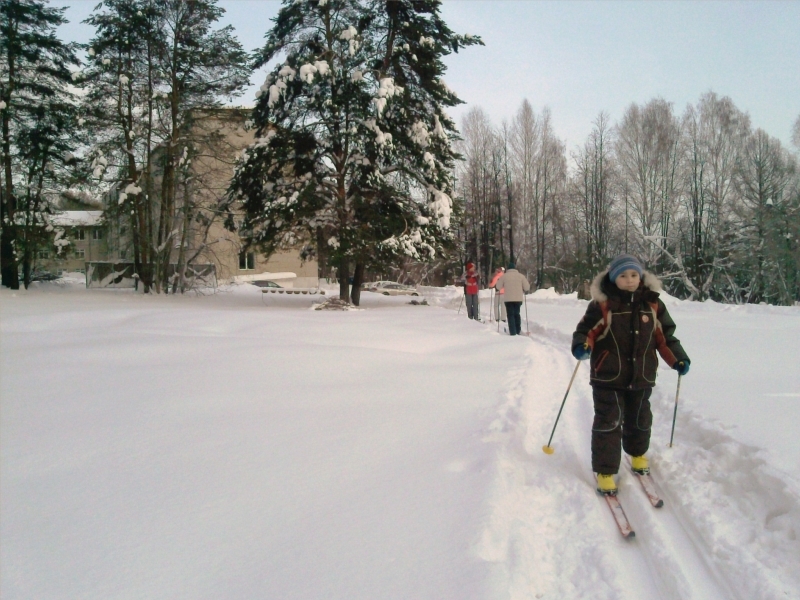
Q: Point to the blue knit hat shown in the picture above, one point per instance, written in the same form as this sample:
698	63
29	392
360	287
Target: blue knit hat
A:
622	263
512	265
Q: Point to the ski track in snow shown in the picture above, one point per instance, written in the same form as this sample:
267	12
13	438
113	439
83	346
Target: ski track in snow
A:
726	517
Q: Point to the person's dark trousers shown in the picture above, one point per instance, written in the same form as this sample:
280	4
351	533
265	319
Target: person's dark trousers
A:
472	307
619	416
514	320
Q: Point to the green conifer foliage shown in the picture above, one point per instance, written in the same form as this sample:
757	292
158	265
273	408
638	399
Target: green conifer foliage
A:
352	158
37	116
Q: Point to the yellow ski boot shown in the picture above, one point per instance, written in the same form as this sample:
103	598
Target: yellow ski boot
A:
606	484
640	465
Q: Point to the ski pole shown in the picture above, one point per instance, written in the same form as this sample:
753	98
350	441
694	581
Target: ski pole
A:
548	449
461	302
527	324
675	412
491	305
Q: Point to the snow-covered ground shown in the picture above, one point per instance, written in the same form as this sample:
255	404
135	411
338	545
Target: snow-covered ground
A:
214	447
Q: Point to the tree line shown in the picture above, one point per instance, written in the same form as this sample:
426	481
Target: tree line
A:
120	123
709	202
357	164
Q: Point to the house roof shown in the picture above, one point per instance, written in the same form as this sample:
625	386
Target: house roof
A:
77	218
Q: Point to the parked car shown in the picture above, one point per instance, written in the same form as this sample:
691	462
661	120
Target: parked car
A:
392	288
370	285
266	284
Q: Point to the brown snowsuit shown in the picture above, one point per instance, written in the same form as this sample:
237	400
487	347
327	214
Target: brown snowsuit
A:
625	330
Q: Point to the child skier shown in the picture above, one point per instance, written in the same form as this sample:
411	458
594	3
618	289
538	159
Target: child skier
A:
624	325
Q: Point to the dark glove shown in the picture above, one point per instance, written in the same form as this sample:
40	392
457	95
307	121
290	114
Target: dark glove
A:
582	352
682	366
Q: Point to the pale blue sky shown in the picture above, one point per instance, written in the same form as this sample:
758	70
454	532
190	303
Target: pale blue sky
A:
582	57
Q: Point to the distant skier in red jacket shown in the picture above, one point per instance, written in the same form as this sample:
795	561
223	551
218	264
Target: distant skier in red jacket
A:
470	279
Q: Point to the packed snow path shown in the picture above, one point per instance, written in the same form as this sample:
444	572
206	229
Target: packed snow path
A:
563	539
729	525
216	448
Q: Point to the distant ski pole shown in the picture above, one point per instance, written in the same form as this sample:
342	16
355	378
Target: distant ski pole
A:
548	449
675	412
461	302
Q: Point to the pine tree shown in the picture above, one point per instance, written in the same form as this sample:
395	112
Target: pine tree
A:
155	63
765	178
202	66
352	158
37	113
121	107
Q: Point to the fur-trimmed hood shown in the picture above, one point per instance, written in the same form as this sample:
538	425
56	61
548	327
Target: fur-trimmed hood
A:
650	281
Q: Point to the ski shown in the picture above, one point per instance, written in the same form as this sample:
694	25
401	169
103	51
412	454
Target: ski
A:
619	516
648	486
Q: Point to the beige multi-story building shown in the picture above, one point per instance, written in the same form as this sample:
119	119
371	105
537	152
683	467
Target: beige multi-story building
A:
228	134
104	236
79	236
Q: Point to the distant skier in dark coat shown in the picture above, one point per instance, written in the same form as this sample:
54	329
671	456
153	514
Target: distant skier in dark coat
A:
624	326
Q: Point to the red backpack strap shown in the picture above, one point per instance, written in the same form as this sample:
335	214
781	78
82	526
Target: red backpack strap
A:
601	328
660	338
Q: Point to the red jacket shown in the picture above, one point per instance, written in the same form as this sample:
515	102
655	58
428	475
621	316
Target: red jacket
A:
471	279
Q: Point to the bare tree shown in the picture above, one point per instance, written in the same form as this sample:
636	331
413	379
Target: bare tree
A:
713	134
524	145
594	187
480	183
648	153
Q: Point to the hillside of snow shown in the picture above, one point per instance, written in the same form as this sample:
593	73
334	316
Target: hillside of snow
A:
231	446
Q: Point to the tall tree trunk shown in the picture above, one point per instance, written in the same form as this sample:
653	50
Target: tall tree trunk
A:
344	279
9	271
181	266
358	279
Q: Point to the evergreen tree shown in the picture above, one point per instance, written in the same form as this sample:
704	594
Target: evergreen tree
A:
155	64
122	104
37	113
768	258
352	157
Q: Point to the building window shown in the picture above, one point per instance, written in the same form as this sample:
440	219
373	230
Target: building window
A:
97	234
247	261
123	254
43	254
80	253
80	234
